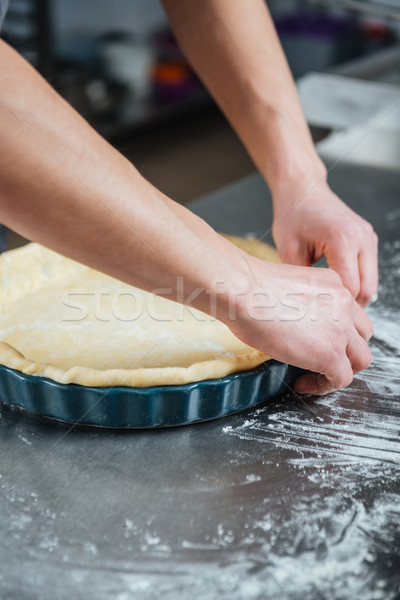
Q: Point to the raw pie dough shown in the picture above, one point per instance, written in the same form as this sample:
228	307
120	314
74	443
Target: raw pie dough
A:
62	320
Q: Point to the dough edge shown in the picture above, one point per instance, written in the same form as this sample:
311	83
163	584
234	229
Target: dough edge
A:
141	377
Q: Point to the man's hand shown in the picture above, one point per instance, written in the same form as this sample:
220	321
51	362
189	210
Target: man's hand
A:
320	224
307	318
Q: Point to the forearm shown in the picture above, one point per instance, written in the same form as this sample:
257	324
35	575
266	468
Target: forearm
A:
235	50
62	185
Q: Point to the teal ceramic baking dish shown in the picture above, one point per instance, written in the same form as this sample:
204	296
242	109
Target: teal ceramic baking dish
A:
161	406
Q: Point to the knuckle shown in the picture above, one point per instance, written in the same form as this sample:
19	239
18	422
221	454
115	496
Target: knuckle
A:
346	379
357	365
339	371
368	229
369	232
345	374
367	358
362	361
343	377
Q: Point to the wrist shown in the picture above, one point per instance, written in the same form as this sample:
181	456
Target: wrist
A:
291	164
299	187
216	290
298	179
246	296
227	297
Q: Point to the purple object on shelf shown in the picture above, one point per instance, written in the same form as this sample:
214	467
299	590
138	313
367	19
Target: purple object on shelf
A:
315	41
167	94
314	25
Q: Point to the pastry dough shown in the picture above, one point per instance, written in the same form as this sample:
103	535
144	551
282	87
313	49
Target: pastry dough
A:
62	320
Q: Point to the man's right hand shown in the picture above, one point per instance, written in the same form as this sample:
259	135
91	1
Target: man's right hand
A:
305	317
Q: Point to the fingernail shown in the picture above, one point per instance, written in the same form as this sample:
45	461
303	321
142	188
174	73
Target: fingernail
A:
373	299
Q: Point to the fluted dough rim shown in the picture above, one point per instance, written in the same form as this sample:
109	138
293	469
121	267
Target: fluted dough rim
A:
140	377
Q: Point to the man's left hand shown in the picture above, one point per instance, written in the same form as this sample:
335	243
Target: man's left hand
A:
321	224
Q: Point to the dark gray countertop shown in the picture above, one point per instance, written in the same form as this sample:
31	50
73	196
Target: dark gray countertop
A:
296	499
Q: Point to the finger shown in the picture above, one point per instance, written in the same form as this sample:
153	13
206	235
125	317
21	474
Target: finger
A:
343	258
358	353
321	384
295	253
368	267
362	322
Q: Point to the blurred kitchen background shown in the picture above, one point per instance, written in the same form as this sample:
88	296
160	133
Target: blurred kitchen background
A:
118	64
